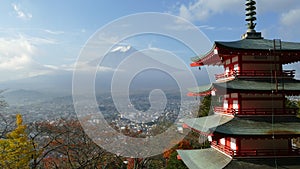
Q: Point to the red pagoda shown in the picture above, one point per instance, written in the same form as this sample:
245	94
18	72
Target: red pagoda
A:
253	122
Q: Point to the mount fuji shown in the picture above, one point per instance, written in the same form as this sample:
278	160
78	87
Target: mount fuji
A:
59	82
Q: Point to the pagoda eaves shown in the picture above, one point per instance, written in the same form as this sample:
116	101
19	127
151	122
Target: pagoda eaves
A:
288	52
267	86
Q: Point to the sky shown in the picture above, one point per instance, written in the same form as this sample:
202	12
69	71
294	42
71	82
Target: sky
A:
41	37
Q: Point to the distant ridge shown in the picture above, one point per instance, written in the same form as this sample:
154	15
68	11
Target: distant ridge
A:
24	97
59	82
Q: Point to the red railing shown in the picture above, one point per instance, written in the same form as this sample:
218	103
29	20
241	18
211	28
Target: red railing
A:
257	111
267	111
226	75
224	111
255	152
227	150
257	73
268	152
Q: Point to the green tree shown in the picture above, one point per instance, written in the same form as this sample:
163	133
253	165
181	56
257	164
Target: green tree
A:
204	107
17	150
298	104
293	104
174	163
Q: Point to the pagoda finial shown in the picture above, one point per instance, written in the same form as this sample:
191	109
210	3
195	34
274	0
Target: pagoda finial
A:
250	15
250	18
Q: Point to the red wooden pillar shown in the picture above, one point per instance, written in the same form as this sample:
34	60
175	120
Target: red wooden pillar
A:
238	146
228	140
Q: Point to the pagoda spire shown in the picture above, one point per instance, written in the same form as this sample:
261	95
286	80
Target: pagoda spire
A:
250	15
250	18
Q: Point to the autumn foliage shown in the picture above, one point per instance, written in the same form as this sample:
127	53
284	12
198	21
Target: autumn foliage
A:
17	150
184	144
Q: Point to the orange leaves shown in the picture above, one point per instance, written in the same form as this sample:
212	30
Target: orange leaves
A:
184	144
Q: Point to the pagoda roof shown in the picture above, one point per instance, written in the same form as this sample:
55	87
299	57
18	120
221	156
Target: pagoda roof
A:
258	44
246	126
204	158
211	158
201	90
207	123
265	163
248	85
261	126
249	46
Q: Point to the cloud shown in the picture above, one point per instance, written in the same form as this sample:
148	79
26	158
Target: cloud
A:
291	17
39	41
15	63
21	14
203	9
54	32
179	25
11	47
284	15
185	12
289	24
91	68
278	6
207	27
17	58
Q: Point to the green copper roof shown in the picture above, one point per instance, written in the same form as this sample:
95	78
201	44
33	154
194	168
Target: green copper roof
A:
204	88
260	85
197	58
261	126
213	159
251	44
251	85
207	123
265	163
204	158
246	126
258	44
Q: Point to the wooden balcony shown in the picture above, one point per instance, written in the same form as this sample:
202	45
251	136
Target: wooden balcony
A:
267	111
257	74
225	149
221	110
256	152
268	153
258	111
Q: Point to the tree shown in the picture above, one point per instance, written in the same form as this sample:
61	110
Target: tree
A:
298	104
17	150
171	155
293	104
204	107
190	141
6	123
174	163
66	145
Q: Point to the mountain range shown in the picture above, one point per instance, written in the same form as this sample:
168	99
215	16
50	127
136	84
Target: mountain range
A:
59	82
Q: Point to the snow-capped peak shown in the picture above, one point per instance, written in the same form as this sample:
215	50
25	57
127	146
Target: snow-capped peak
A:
121	48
